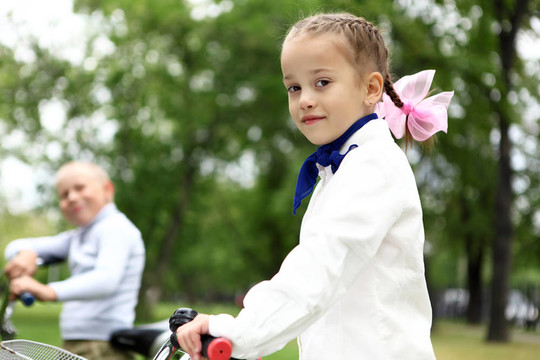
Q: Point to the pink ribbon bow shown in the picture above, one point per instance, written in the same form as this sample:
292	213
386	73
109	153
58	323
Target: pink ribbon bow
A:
426	116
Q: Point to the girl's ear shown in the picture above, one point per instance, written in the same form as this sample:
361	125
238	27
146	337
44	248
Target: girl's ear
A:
374	82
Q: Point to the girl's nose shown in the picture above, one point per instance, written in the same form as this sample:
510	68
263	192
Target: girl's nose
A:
307	101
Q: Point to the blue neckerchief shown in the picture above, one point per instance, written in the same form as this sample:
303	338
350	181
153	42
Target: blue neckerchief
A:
325	155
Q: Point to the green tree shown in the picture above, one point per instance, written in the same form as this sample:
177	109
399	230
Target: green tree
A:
205	158
511	16
193	94
474	165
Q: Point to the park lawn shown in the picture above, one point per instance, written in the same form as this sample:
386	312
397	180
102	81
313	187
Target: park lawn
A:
452	340
456	340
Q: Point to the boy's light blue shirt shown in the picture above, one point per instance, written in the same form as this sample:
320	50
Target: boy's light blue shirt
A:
106	259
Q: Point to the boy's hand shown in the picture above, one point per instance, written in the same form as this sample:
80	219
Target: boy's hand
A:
40	291
189	335
24	263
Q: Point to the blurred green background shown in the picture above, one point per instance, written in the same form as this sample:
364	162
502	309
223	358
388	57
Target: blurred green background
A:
182	103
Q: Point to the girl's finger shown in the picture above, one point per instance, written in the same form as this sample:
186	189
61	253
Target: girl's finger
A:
197	346
188	342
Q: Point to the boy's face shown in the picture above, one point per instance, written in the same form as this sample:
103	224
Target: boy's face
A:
326	93
82	194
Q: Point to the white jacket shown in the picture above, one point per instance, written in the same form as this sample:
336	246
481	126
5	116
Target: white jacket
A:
354	287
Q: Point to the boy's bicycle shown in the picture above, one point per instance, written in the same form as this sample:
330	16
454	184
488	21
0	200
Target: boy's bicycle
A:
146	340
213	349
142	340
12	349
7	330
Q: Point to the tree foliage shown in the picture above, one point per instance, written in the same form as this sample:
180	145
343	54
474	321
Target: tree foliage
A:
182	102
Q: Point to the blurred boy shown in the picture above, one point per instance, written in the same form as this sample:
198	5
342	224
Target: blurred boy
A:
105	254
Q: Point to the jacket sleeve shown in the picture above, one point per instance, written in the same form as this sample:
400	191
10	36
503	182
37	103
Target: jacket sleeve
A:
47	247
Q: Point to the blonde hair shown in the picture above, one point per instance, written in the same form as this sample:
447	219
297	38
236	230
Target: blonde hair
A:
92	170
365	41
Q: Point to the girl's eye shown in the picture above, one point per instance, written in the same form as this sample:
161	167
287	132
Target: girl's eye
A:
292	89
321	83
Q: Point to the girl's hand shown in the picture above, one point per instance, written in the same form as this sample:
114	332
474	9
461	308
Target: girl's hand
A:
24	263
40	291
189	335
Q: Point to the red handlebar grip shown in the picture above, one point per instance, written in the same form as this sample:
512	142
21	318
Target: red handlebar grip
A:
219	349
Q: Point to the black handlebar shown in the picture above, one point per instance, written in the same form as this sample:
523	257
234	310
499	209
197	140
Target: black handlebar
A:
212	348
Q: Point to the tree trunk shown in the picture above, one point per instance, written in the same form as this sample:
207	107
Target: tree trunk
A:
475	260
502	247
152	282
498	330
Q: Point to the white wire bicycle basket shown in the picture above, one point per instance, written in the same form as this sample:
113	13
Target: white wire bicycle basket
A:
32	350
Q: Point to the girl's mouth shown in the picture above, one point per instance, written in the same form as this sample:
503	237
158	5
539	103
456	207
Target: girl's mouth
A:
311	119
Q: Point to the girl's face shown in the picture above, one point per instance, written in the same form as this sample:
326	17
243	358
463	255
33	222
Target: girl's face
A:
326	93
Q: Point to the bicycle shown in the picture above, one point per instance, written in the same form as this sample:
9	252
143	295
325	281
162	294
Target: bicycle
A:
130	339
213	349
144	340
7	330
134	339
13	349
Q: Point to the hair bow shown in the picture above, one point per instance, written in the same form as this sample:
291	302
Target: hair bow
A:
426	116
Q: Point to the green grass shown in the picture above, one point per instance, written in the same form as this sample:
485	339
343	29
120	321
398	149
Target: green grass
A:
451	340
456	340
38	322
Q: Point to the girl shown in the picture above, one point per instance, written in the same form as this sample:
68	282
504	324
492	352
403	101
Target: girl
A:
354	287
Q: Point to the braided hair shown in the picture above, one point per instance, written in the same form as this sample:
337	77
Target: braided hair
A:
366	46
